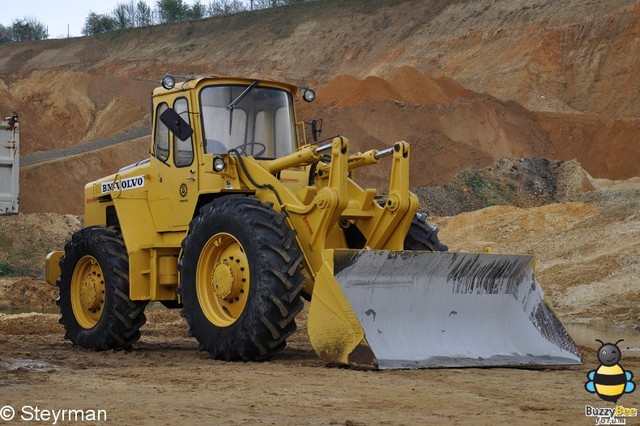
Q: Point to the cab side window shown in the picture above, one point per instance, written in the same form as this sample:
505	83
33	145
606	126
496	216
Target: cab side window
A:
161	137
182	150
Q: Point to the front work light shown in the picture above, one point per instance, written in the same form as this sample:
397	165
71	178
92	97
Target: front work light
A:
168	82
309	95
219	164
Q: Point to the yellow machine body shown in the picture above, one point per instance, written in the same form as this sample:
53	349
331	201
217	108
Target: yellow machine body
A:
154	201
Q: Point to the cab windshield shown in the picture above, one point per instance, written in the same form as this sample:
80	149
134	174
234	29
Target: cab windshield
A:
254	120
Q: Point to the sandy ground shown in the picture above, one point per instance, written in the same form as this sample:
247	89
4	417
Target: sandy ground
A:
586	251
165	380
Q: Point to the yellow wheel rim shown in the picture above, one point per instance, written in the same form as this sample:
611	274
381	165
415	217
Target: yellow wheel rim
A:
87	292
222	279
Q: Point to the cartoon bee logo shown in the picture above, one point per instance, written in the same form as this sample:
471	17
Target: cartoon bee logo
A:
609	381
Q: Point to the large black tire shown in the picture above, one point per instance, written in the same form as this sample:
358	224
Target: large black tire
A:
423	236
267	296
97	312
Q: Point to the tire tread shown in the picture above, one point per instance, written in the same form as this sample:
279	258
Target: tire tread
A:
122	318
269	316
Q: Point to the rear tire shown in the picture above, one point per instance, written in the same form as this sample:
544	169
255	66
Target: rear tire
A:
97	312
423	236
240	279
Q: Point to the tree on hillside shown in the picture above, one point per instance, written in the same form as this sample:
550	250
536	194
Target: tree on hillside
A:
28	28
144	16
131	14
124	15
224	7
5	34
197	11
97	24
171	10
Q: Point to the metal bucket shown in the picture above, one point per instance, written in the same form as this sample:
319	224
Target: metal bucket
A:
408	309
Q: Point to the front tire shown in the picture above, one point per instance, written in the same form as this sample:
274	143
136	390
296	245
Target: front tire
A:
240	279
96	310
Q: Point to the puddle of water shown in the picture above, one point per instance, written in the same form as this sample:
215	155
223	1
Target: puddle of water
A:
35	365
586	335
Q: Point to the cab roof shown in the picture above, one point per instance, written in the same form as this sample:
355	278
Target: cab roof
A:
184	83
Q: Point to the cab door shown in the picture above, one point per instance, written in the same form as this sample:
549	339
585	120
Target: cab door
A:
173	189
183	180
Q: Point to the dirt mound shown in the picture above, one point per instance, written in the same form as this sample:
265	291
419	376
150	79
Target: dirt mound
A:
453	127
523	182
586	250
406	84
348	90
633	183
419	88
25	294
466	130
29	323
25	240
612	150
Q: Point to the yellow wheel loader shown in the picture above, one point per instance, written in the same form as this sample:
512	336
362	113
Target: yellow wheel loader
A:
234	219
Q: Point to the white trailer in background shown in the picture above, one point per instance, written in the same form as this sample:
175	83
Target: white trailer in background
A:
9	162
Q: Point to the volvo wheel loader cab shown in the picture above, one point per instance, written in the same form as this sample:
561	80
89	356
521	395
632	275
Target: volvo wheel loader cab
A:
234	219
